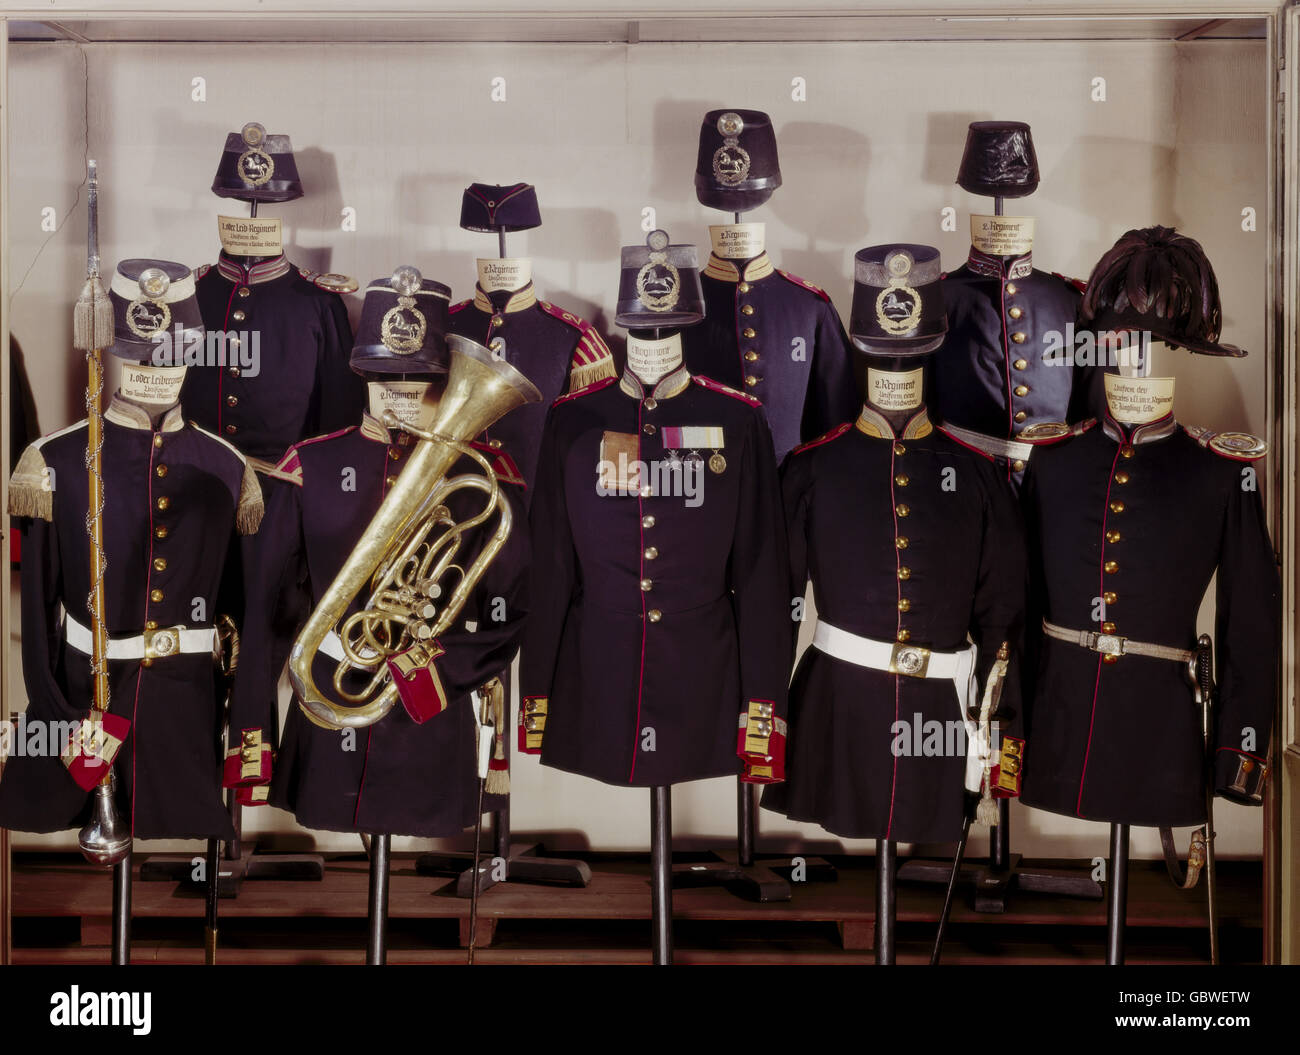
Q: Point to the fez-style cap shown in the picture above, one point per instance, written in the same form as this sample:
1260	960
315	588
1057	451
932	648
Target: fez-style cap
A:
151	298
488	208
1160	281
999	160
737	168
659	285
403	327
897	300
255	166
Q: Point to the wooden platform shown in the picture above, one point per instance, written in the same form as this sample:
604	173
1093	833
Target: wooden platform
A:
61	916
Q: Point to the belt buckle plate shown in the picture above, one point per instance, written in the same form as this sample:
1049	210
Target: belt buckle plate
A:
909	660
1109	645
162	642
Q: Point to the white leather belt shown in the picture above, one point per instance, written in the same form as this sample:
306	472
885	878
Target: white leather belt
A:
1013	450
152	644
915	662
1115	645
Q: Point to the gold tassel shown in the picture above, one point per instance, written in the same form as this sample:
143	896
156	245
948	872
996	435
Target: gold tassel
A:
30	494
987	811
590	373
249	515
498	780
92	318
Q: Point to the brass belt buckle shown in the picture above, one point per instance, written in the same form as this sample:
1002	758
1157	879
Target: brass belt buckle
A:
909	660
1108	644
162	642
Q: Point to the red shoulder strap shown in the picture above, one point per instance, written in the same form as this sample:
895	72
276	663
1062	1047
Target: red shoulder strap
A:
502	464
835	433
595	386
714	386
805	284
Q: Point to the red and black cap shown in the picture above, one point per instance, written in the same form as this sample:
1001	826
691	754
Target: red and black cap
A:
489	208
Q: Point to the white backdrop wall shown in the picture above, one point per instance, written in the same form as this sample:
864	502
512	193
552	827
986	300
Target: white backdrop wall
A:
395	132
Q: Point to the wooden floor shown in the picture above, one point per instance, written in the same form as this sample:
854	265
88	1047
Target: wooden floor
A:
61	916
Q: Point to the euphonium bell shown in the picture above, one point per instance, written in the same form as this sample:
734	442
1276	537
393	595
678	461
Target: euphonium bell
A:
104	840
409	545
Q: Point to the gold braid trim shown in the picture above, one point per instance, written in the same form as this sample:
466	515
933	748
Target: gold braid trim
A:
249	515
30	494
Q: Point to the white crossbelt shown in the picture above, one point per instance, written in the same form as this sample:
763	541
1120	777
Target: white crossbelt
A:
184	640
992	445
913	661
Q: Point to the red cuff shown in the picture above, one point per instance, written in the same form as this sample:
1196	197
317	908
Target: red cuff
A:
1005	776
249	764
532	723
760	743
92	747
417	681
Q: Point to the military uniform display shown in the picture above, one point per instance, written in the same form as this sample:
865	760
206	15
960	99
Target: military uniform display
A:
553	348
394	776
1129	524
173	494
658	621
778	338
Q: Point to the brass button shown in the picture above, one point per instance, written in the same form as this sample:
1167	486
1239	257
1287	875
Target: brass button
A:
904	573
494	444
146	662
1126	451
902	509
1018	466
1022	390
749	331
233	371
901	479
155	595
647	585
651	553
1110	598
160	532
748	309
161	470
899	449
160	564
1112	536
1121	477
394	452
1117	506
1015	313
743	287
1020	364
157	440
904	605
648	521
1018	337
389	481
237	315
751	356
751	380
244	291
232	429
1011	289
901	542
1108	658
232	340
1110	567
654	615
151	625
651	403
232	401
1107	627
649	428
1021	415
904	635
163	503
497	320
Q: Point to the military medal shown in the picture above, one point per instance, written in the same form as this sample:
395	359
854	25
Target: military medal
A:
731	160
695	460
898	306
674	461
147	316
404	326
692	438
255	165
658	283
717	463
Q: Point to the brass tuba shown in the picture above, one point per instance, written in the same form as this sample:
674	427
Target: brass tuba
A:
410	547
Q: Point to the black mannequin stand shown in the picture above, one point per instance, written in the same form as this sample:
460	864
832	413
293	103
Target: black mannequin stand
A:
886	901
1117	894
661	887
377	901
122	912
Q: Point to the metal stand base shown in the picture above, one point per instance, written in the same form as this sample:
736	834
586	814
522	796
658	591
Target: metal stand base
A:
377	903
1117	894
994	880
886	901
661	888
122	912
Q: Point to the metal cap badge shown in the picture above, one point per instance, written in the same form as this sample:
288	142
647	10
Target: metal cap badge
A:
403	327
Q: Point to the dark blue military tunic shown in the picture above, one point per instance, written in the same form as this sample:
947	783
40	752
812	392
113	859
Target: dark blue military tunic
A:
553	348
394	776
660	611
910	539
778	338
302	385
173	496
1126	527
